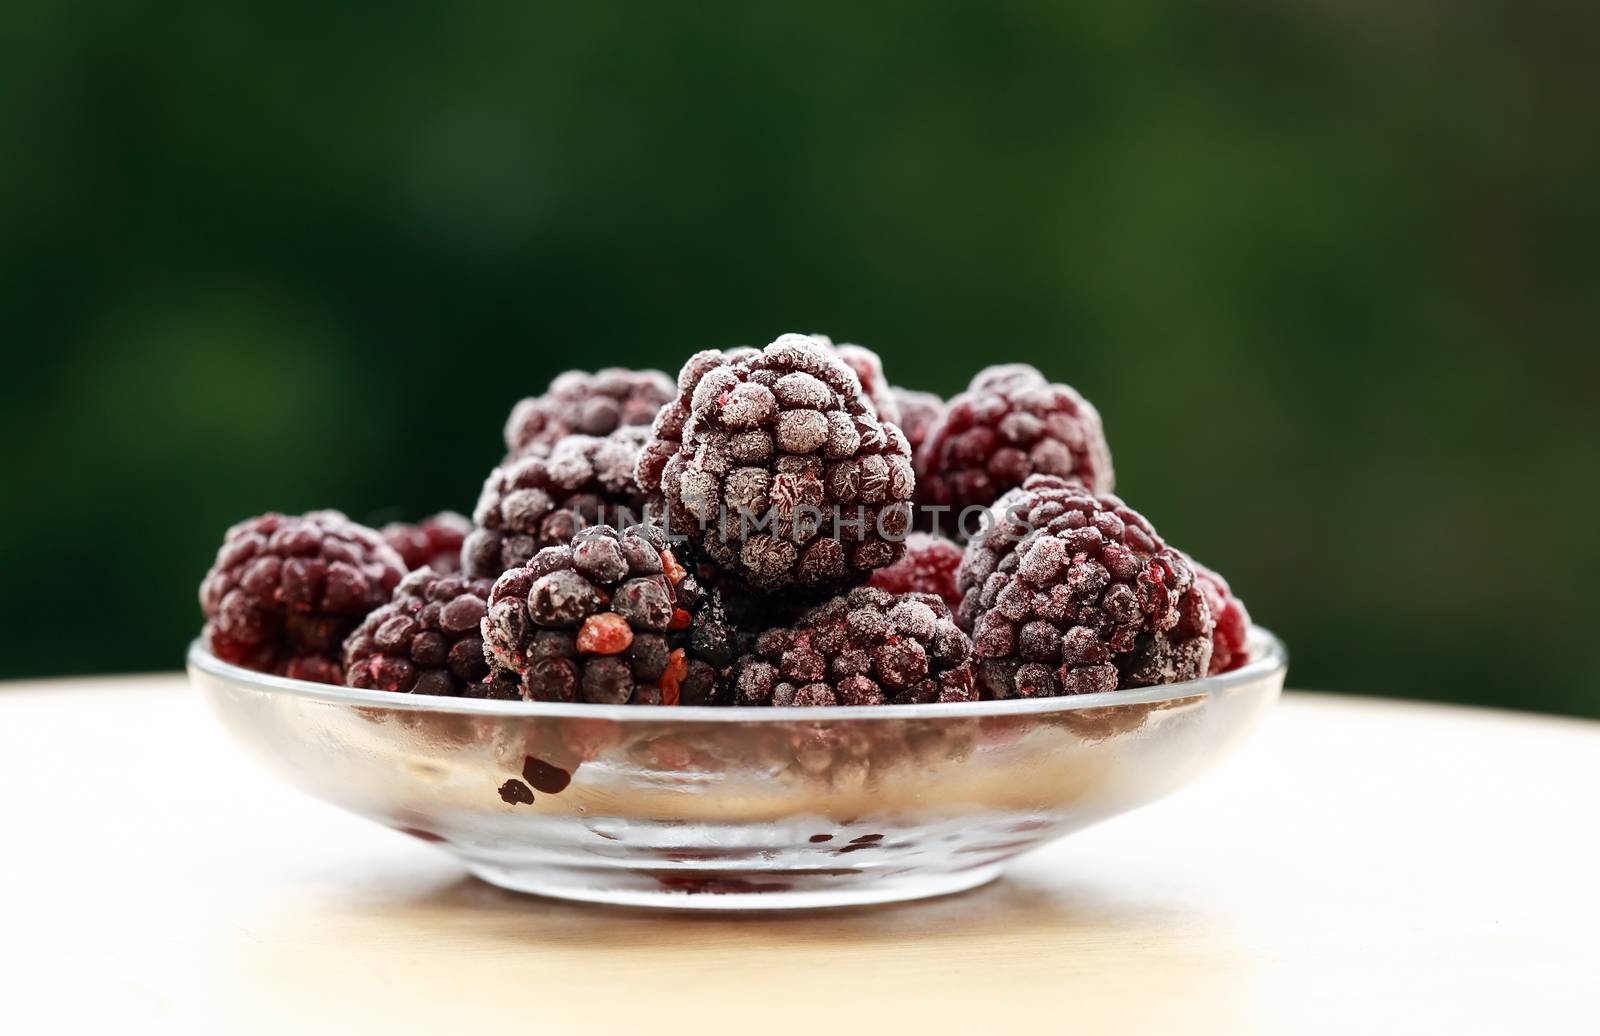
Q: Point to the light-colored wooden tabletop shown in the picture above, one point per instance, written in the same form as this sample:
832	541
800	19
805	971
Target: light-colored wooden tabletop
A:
1360	866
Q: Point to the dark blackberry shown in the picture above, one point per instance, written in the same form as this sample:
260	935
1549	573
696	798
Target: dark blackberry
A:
919	412
284	592
868	368
612	619
1067	592
579	403
1009	424
431	543
1229	640
782	475
426	640
541	500
866	647
746	610
929	567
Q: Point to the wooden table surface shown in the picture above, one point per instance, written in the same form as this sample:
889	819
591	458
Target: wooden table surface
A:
1359	866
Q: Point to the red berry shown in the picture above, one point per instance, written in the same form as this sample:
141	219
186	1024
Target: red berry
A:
578	403
677	670
1229	650
674	571
432	543
929	567
284	591
919	412
1008	425
605	634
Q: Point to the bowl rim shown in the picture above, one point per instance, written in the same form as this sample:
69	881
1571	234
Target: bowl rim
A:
1268	658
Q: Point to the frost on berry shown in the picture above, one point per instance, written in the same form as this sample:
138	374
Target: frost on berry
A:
776	468
611	618
666	432
545	499
866	647
1067	592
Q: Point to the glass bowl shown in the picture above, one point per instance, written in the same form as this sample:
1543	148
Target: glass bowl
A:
739	807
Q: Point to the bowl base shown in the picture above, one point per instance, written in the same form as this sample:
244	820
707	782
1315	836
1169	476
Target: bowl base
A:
729	890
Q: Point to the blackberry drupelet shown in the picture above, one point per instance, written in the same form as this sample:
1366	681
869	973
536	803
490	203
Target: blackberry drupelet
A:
1066	592
613	619
426	640
1008	425
285	590
928	567
579	403
782	475
866	647
431	543
1229	648
541	500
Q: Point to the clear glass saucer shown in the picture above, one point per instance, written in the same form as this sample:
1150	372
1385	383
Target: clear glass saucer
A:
735	808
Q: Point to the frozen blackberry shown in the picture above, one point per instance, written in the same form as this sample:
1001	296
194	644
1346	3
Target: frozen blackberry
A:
541	500
611	619
929	567
1067	592
284	592
666	433
431	543
1009	424
426	640
782	475
579	403
866	647
919	412
1229	648
868	368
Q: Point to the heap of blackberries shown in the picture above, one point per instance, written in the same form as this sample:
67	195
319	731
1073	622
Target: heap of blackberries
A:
743	537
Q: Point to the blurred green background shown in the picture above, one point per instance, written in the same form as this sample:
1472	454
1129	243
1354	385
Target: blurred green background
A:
1329	271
